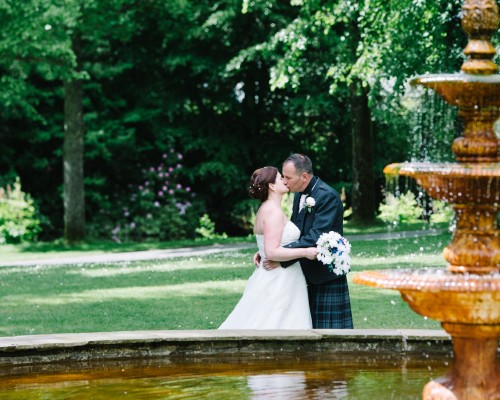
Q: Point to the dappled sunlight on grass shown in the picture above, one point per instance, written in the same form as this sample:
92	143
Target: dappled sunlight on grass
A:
136	292
193	292
412	245
32	269
229	259
108	270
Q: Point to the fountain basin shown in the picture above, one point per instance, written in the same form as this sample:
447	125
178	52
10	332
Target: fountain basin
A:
453	182
98	346
463	90
444	296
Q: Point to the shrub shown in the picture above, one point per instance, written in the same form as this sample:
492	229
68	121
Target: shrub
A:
160	208
207	229
19	219
441	212
400	209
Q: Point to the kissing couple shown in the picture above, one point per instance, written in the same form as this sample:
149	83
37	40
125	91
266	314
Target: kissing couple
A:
290	288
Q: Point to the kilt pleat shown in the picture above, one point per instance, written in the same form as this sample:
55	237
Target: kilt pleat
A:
330	305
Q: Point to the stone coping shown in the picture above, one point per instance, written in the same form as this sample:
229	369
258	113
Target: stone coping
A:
77	339
17	350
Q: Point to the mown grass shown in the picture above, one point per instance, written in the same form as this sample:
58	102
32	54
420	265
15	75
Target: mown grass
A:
188	292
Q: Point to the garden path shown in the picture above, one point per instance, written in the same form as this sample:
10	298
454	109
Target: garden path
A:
193	251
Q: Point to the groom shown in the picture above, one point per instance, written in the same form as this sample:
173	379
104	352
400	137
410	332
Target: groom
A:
317	209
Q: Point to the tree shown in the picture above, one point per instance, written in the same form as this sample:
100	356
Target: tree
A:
32	47
73	151
58	42
323	34
367	47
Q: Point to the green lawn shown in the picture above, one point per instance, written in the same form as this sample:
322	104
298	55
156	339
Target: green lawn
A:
186	293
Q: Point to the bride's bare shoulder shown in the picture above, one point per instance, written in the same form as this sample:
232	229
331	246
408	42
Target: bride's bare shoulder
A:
267	214
272	214
269	209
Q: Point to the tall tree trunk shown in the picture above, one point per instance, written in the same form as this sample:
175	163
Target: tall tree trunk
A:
74	195
363	186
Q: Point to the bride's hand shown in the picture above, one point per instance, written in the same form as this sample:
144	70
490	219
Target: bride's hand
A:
311	253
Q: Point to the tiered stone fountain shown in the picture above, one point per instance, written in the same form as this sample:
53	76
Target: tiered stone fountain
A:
466	298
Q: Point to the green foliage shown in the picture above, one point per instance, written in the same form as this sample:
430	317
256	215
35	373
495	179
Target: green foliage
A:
234	85
151	221
379	43
206	228
402	208
44	43
405	209
441	212
19	219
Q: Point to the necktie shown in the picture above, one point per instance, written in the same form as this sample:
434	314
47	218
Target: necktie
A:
302	202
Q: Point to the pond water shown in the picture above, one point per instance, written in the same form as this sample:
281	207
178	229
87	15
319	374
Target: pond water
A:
290	377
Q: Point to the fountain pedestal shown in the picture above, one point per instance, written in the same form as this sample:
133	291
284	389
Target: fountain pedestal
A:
475	373
473	325
475	247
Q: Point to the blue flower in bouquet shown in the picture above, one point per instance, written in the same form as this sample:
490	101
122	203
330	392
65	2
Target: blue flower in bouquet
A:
333	251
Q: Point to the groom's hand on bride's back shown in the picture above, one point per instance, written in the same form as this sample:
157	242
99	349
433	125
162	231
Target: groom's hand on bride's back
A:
256	260
269	264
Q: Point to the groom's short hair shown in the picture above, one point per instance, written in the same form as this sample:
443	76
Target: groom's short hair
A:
301	162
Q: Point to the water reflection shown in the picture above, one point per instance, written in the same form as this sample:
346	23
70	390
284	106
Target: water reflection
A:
260	376
295	386
287	386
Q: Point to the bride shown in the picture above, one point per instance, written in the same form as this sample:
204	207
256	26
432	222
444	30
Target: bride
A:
275	298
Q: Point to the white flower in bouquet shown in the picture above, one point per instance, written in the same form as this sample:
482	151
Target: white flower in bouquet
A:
333	251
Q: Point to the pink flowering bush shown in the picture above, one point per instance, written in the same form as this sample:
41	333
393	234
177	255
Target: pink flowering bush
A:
159	207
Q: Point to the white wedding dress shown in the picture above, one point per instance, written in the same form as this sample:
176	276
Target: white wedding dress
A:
275	299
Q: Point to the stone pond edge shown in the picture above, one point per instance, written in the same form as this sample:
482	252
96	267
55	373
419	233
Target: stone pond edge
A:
97	346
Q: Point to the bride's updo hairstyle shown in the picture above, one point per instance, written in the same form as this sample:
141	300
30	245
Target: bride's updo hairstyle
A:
259	182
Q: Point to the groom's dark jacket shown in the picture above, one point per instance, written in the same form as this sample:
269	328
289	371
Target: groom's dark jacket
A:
325	216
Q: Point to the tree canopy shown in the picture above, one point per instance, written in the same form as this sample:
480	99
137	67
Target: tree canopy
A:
231	85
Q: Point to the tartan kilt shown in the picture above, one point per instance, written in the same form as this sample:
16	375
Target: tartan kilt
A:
330	304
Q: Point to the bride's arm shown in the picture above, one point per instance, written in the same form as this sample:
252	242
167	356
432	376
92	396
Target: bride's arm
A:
273	230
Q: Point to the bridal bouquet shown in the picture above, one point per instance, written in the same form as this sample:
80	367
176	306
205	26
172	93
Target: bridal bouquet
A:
333	251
